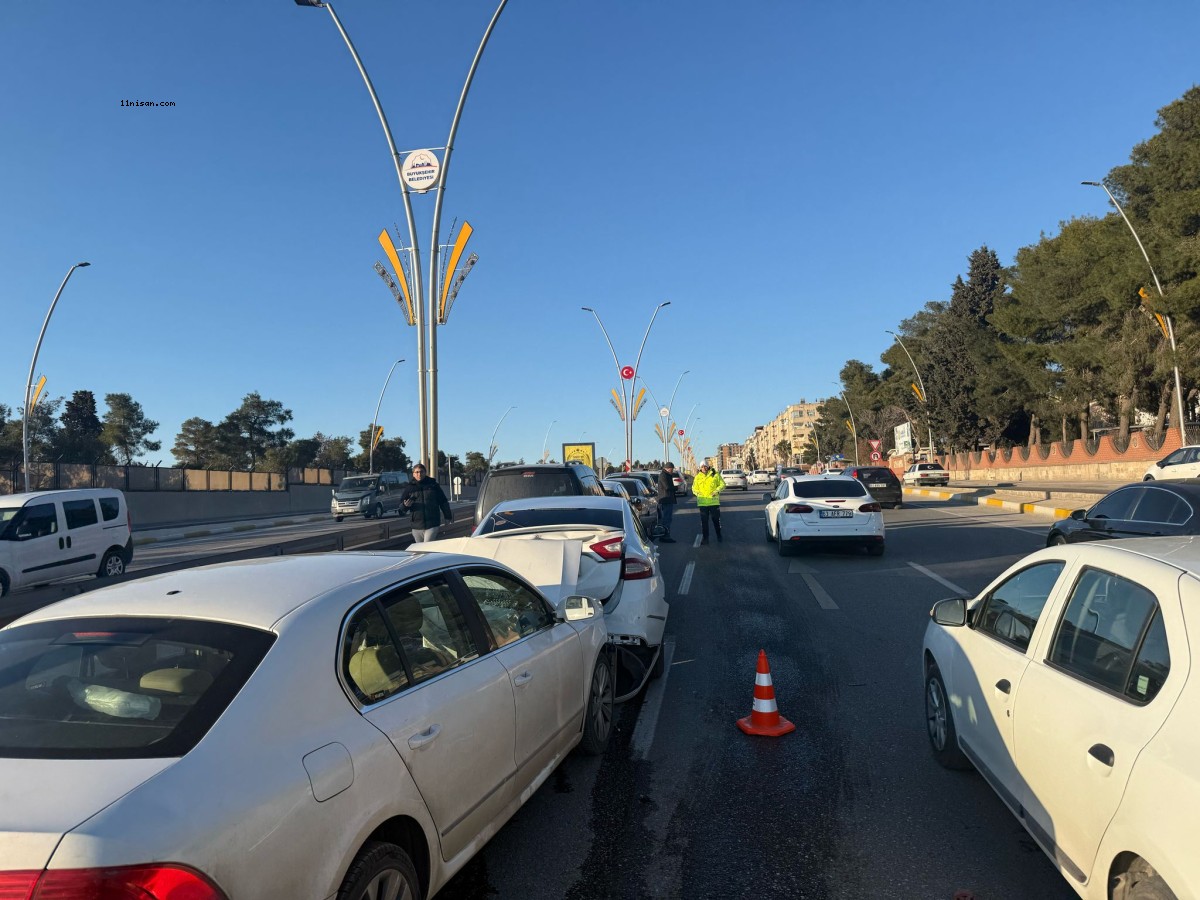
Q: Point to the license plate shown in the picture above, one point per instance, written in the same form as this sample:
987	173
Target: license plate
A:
837	514
880	484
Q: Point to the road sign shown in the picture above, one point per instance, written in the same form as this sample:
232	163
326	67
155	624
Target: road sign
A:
627	373
876	456
664	412
875	445
420	170
681	432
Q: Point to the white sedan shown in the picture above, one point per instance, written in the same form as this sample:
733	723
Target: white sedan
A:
301	727
1067	683
761	477
618	566
734	478
824	509
1183	463
926	473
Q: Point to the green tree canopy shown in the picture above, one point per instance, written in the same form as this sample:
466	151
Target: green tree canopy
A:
126	429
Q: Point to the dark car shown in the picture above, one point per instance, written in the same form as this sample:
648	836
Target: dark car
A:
1146	509
644	500
540	480
789	471
882	482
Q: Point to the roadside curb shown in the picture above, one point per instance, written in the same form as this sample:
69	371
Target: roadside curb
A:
168	536
1043	508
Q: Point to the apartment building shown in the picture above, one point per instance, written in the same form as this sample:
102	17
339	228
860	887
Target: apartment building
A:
794	424
729	456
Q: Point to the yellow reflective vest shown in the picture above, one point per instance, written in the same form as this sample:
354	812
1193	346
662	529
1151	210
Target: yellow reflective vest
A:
707	488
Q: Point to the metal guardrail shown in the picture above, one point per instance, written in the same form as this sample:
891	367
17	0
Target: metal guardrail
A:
390	535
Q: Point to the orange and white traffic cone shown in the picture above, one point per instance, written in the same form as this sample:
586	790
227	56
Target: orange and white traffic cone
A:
764	717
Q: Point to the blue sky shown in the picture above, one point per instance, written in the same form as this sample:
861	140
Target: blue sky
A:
795	177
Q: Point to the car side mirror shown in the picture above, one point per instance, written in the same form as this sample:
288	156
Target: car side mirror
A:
576	608
952	611
1079	514
636	501
767	498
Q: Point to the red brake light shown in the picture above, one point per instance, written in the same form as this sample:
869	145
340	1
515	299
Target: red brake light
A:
610	548
870	507
635	568
158	881
18	885
795	508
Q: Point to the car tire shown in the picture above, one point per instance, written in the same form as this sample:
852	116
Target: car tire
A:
875	549
897	505
660	663
377	512
1148	478
338	518
767	532
1141	882
112	565
1056	540
381	869
785	547
939	722
598	717
4	583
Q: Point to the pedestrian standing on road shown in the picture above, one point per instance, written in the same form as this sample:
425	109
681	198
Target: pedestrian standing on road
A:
426	502
707	486
668	495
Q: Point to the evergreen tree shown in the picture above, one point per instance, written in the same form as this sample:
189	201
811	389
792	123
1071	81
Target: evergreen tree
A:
81	438
126	429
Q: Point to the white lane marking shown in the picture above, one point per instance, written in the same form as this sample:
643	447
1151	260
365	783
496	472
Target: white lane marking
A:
795	567
696	542
686	584
643	732
962	592
823	598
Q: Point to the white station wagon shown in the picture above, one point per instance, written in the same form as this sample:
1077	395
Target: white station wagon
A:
1067	684
348	725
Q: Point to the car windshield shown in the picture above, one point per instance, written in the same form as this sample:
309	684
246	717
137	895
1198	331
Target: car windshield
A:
829	487
119	688
358	483
536	518
633	485
521	484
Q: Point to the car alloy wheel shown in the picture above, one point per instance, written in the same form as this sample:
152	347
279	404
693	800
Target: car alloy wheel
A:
381	871
112	565
939	723
597	723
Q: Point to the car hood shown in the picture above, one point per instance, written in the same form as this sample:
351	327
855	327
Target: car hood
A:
350	495
43	799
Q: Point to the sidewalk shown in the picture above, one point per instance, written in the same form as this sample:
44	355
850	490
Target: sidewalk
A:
1028	499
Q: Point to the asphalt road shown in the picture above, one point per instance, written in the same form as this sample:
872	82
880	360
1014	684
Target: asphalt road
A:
851	805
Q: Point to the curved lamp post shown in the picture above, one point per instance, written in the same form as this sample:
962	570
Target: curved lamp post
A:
33	365
546	439
492	448
853	427
637	362
924	395
1170	326
375	419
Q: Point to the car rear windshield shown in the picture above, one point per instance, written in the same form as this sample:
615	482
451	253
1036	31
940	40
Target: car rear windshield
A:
930	467
536	518
518	485
878	473
832	487
360	483
119	688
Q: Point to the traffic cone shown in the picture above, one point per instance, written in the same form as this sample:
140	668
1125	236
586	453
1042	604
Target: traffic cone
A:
764	717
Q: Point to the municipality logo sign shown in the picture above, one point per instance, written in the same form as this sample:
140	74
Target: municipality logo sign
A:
421	170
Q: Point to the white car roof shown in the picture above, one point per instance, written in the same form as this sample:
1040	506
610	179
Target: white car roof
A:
255	592
12	501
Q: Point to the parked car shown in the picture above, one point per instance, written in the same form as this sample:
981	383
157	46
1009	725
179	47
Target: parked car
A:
734	478
761	477
790	471
1143	509
538	480
681	484
614	488
1068	684
643	500
882	483
927	474
1183	463
47	535
303	726
619	568
371	496
821	510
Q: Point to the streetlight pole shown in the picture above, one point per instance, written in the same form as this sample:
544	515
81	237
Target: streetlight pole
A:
924	395
546	439
492	448
853	427
375	419
1170	326
33	365
637	362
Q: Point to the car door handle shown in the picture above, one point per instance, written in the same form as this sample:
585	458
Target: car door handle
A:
1103	754
523	678
1003	686
61	545
424	738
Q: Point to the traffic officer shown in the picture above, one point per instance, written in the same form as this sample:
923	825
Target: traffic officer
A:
707	486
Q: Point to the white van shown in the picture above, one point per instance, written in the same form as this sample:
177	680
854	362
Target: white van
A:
47	535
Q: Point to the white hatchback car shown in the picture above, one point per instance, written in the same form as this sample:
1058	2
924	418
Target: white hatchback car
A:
294	727
1183	463
760	477
1067	683
824	509
734	478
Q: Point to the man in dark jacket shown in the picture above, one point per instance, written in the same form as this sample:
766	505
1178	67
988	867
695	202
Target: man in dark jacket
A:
424	499
667	497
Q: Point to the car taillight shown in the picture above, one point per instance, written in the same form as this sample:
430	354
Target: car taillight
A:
610	548
158	881
795	508
870	507
634	568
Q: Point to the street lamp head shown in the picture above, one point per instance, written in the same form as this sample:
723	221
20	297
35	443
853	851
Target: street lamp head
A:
587	309
1092	183
82	265
317	3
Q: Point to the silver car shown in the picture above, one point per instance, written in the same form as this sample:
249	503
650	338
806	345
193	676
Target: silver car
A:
294	727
